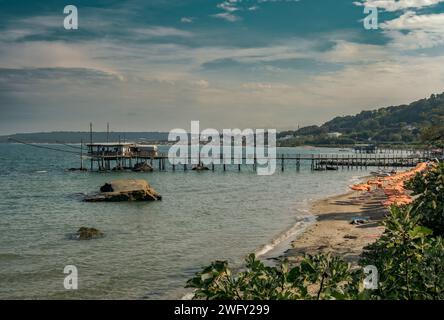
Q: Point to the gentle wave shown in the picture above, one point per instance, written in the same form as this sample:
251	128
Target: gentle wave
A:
283	240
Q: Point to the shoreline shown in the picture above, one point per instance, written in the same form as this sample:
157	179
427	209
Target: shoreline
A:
332	230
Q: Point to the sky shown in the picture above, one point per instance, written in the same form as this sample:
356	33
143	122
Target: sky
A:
155	65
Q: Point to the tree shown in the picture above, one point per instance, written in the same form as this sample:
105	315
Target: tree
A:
433	135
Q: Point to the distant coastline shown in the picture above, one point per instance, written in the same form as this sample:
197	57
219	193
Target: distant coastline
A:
160	138
78	136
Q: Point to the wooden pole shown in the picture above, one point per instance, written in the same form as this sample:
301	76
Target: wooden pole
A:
91	141
81	154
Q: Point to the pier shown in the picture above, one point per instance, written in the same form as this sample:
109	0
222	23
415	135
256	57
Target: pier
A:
126	156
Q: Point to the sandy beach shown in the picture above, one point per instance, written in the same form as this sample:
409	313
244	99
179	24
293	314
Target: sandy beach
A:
334	231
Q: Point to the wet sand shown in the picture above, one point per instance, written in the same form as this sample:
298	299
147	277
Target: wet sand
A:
333	231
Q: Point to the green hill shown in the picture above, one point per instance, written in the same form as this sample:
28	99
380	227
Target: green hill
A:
402	124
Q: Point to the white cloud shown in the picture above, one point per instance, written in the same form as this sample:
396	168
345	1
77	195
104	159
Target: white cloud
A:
204	84
411	21
229	7
350	52
226	16
162	32
265	86
413	31
395	5
413	40
187	20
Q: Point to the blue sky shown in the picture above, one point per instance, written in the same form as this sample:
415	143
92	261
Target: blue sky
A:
157	65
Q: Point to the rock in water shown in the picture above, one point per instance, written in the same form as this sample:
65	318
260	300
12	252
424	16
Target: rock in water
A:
106	188
125	190
200	167
142	167
85	233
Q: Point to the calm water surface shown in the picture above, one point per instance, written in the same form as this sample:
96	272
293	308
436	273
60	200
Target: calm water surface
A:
150	249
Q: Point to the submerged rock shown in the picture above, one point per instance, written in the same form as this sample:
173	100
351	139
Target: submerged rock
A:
77	169
200	167
85	233
125	190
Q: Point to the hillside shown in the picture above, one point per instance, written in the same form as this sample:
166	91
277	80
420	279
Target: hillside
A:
390	125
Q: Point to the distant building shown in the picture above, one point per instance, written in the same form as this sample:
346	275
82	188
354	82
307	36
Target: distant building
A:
365	148
287	137
334	134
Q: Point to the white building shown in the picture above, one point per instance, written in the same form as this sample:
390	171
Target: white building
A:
334	134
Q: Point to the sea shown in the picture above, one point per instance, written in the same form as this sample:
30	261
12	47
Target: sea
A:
150	249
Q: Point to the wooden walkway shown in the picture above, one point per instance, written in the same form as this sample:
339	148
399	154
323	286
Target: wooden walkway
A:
316	162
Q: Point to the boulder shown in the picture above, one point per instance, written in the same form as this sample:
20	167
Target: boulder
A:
85	233
125	190
106	188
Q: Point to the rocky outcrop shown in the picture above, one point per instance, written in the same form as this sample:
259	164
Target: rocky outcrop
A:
85	233
125	190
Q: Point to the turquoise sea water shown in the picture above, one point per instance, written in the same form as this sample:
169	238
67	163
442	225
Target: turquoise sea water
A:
150	249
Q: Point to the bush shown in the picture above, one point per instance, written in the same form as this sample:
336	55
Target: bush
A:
402	254
315	277
429	205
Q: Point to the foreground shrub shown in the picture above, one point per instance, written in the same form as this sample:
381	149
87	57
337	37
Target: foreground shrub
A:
410	261
429	205
315	277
